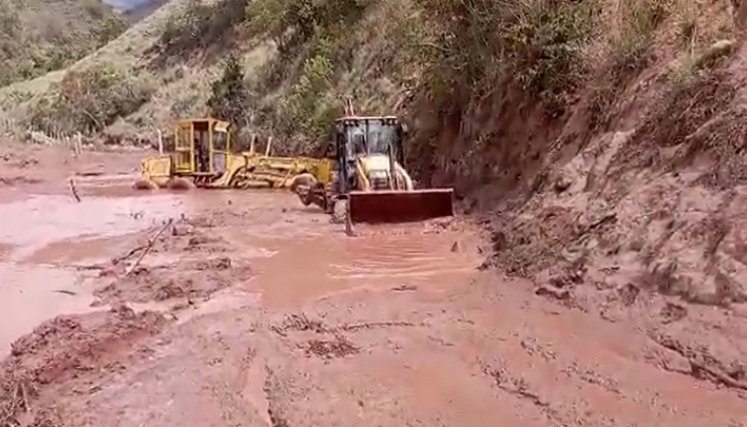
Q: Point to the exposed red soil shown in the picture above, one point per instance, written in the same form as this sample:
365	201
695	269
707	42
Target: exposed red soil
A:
64	350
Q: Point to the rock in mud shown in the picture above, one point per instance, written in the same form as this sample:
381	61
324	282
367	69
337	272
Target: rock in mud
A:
222	263
339	347
673	312
181	230
169	291
562	183
554	292
628	294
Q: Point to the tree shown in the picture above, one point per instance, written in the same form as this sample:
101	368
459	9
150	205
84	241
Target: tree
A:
230	96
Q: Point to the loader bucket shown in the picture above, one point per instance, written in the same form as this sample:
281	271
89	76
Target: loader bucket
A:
399	205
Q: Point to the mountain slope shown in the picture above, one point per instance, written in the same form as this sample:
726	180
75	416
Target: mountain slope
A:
41	36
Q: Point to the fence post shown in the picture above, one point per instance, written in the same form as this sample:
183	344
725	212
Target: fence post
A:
79	143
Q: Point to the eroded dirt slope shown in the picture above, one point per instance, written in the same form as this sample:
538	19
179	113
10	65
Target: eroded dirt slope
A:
642	225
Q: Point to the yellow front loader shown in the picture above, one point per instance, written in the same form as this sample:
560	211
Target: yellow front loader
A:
202	157
369	173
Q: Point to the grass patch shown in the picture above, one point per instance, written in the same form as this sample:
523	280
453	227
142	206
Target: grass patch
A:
537	44
316	43
89	100
200	25
629	51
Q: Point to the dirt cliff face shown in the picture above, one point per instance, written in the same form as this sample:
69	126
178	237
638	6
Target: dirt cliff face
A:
631	209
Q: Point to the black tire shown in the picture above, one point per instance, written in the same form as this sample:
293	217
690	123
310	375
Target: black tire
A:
305	179
180	184
145	185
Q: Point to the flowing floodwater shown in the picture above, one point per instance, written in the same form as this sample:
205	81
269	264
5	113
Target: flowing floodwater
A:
314	267
44	238
296	254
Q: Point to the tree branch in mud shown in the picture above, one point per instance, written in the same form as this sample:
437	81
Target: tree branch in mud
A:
697	368
151	242
126	256
25	397
717	375
74	190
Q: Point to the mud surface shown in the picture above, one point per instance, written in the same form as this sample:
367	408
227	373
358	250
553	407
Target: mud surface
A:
244	308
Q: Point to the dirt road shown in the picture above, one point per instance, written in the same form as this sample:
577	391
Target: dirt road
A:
249	310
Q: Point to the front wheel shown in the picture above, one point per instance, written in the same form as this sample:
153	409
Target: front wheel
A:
304	179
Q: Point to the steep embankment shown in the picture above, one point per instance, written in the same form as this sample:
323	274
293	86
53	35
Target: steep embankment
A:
629	200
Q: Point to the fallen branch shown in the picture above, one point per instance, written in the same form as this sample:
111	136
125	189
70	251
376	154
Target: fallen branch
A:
151	242
74	190
25	396
132	252
91	267
718	375
89	173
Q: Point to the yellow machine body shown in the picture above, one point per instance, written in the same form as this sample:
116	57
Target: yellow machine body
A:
202	154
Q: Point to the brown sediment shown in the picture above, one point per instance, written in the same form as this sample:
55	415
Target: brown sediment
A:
276	317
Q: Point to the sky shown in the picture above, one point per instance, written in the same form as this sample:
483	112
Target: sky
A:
126	4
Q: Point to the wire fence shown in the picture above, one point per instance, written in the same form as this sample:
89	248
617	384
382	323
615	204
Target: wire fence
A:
12	129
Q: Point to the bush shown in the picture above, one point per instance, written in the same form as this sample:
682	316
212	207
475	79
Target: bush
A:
546	44
316	40
89	100
290	22
50	43
537	43
300	110
10	23
109	29
230	98
631	46
201	24
95	8
629	53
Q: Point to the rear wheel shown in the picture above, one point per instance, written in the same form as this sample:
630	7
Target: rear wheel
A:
180	184
145	184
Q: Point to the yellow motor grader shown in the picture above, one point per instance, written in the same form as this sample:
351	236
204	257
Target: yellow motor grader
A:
368	158
202	157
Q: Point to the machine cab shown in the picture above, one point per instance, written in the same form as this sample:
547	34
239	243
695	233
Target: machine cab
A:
360	138
365	136
201	147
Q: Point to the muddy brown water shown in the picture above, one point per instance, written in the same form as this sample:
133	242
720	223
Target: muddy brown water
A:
315	267
296	254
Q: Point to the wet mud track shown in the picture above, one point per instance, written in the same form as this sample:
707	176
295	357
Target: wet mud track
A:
217	308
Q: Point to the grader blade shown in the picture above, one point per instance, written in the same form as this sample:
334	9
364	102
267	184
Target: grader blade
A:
400	206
